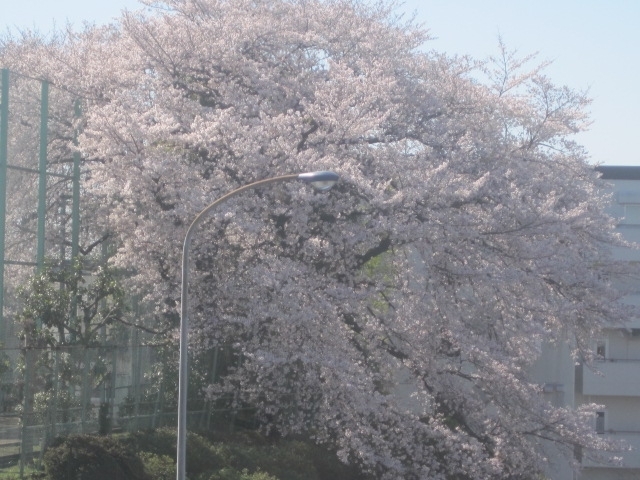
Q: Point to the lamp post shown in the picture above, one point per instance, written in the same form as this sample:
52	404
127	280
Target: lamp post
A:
322	181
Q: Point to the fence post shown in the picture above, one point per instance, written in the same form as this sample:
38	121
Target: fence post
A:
4	129
42	185
54	406
114	384
75	207
84	393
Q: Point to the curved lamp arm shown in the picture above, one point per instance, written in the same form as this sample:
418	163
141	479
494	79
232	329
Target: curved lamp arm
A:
322	181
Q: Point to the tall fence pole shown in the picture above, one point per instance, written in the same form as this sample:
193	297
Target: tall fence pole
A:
75	207
42	185
26	449
75	223
4	129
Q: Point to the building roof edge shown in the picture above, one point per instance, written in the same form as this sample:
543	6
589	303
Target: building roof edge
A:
619	172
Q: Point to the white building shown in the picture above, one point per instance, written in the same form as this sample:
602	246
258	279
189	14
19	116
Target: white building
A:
616	385
615	382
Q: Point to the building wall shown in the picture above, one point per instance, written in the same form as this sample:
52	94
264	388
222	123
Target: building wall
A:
614	380
555	371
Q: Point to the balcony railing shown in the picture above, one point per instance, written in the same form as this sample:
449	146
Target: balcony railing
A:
630	456
612	378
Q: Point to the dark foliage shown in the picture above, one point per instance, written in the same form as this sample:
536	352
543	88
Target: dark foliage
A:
86	457
150	455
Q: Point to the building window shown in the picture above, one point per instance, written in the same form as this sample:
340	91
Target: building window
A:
600	422
601	349
577	453
554	393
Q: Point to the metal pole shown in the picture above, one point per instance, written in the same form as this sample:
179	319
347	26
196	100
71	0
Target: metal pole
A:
75	207
54	406
320	180
4	129
184	321
135	371
30	353
42	190
84	393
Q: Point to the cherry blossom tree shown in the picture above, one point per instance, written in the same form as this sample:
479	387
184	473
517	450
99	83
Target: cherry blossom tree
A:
397	316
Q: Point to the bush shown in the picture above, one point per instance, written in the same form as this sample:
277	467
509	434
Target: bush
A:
233	474
150	455
284	459
158	467
287	460
201	456
85	457
13	473
329	467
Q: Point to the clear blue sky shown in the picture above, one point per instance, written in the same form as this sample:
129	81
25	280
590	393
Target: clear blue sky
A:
594	44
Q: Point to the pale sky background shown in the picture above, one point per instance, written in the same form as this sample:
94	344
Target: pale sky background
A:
594	45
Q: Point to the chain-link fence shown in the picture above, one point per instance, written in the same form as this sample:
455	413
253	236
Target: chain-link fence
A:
103	389
57	391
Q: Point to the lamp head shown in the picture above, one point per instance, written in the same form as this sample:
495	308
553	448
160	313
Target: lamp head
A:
321	181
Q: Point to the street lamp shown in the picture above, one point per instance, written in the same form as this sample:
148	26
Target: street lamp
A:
322	181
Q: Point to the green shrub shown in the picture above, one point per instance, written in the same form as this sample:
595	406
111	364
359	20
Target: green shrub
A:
150	455
85	457
159	442
201	456
284	459
287	460
233	474
329	467
158	467
13	473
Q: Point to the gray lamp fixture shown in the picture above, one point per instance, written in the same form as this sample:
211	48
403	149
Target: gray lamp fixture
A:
322	181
